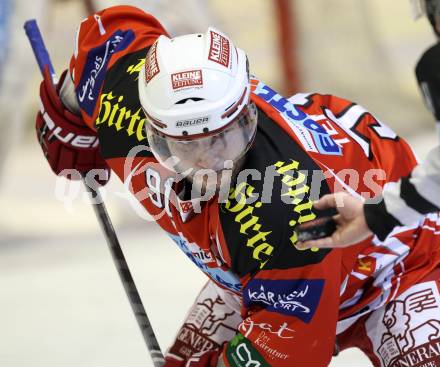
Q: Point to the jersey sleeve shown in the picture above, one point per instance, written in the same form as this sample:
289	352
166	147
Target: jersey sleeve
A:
110	50
377	142
348	136
407	201
103	39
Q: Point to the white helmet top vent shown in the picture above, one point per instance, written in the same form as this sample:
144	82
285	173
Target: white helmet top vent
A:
193	84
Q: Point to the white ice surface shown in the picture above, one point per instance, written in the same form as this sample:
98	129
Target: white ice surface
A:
62	303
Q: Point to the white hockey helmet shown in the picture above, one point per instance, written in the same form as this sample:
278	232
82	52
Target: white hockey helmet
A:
418	8
195	92
430	8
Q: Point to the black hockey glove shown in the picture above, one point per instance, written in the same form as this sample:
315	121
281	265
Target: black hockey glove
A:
428	77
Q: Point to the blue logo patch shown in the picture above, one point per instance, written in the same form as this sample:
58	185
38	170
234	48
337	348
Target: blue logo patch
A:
224	277
96	66
298	297
323	141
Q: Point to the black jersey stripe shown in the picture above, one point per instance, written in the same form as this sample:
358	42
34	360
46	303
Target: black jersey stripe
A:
412	198
378	219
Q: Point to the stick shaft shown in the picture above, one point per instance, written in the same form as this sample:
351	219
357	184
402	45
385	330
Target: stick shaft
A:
43	59
127	279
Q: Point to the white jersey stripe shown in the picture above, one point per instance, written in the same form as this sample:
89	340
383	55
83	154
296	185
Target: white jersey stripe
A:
396	206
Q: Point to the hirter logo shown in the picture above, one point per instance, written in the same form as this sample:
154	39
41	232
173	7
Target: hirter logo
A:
219	49
186	79
151	65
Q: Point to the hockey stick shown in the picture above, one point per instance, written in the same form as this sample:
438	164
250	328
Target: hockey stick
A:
90	7
43	59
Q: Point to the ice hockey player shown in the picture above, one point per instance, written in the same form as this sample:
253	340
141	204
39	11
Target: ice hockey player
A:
229	167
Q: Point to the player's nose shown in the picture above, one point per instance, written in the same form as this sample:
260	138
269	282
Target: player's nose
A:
208	161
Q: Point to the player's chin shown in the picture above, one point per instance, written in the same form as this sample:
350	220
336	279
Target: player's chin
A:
207	185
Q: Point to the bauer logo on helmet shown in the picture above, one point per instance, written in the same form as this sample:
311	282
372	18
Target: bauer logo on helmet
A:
192	122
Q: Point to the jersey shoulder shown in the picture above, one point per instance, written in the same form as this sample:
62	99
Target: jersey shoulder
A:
120	120
336	132
102	39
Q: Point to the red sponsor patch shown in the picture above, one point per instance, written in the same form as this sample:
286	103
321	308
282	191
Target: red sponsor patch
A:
186	79
219	49
186	207
151	65
366	265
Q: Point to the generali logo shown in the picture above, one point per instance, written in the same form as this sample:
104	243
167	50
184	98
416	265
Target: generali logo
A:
411	330
185	79
219	49
207	326
151	64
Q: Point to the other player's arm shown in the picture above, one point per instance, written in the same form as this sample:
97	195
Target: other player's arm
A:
401	203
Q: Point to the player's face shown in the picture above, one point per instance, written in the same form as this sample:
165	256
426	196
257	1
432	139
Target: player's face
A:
209	153
207	159
203	160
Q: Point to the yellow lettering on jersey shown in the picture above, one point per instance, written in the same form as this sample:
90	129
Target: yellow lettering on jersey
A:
114	114
136	68
296	181
249	226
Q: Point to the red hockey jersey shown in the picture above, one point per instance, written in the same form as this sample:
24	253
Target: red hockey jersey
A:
305	147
